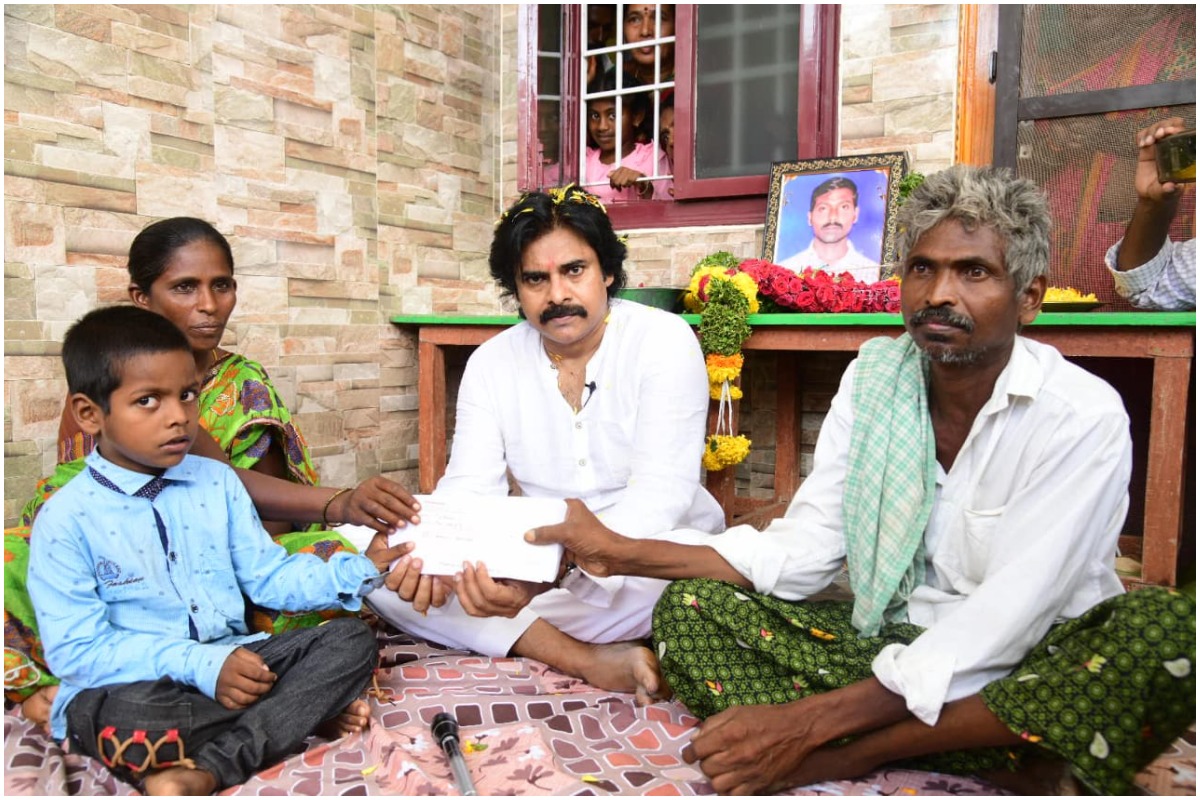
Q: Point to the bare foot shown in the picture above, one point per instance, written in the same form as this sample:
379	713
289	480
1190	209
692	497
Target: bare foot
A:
355	718
180	781
36	707
625	667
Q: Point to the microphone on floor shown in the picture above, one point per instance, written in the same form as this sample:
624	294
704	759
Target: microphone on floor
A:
445	733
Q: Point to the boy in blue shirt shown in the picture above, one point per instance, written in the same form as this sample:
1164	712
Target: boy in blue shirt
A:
137	573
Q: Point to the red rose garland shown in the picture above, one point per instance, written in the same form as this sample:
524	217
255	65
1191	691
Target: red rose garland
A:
817	292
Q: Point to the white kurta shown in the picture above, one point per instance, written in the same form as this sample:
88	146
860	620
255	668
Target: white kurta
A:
632	454
1023	530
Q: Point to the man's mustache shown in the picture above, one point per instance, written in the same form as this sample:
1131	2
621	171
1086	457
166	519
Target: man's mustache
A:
943	315
556	311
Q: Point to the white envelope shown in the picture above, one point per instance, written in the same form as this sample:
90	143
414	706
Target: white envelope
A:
491	529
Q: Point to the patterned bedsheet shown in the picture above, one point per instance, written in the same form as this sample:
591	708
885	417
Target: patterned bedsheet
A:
526	730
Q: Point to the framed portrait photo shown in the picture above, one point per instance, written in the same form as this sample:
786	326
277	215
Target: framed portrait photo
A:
835	214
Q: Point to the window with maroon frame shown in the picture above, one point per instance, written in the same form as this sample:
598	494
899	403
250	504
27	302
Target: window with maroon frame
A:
749	85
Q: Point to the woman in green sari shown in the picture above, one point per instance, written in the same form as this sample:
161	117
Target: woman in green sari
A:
182	268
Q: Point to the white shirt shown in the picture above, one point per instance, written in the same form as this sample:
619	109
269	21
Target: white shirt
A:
1023	530
854	262
631	454
1166	282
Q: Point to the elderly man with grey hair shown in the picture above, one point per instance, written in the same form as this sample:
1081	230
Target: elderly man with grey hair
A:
974	484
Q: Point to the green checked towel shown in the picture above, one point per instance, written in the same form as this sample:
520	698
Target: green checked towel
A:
889	481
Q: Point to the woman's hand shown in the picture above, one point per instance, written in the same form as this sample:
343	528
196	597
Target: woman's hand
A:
624	177
405	578
377	503
481	596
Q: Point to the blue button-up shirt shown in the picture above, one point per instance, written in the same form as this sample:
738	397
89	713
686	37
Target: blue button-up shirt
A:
116	604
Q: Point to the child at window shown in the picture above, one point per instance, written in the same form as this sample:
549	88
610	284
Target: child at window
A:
623	183
137	569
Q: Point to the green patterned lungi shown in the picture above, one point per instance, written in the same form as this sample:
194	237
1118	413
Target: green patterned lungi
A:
1106	692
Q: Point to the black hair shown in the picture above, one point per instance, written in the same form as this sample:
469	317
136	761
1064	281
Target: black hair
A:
158	241
828	186
97	347
633	104
538	213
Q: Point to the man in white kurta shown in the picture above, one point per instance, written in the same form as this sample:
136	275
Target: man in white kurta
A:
631	453
1022	533
590	397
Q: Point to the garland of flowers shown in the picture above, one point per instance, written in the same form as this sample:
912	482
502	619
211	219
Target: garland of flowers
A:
724	297
725	291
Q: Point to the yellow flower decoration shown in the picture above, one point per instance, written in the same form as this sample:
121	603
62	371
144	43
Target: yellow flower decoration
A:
722	451
748	287
1056	294
723	328
723	368
559	195
697	294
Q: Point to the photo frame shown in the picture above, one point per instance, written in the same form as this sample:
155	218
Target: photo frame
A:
823	231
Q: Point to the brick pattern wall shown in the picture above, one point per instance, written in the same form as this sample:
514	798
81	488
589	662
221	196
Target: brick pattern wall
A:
356	158
347	152
899	68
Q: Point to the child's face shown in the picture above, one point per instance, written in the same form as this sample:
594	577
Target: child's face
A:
666	132
153	414
602	125
196	291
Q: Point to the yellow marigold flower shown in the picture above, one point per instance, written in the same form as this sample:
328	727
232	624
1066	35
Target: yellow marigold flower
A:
1056	294
718	375
734	361
696	295
724	451
722	368
714	389
748	287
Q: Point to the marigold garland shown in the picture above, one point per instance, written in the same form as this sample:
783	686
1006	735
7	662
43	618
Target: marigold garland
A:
724	297
725	290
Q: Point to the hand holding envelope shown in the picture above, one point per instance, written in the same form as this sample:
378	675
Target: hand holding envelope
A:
488	529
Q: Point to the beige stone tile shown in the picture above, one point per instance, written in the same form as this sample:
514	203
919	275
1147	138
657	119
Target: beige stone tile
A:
64	55
249	154
33	233
142	40
170	192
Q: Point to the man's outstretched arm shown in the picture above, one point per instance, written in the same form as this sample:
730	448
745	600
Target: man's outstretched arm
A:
602	552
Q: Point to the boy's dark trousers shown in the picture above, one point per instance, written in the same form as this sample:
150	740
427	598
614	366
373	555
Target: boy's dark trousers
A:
319	672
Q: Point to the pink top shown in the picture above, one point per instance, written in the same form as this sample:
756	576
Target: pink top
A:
642	160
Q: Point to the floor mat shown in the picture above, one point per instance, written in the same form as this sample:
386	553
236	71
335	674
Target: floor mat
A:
526	730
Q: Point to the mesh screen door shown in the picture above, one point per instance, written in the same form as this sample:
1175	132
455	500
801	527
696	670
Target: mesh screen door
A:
1074	84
